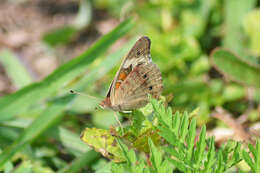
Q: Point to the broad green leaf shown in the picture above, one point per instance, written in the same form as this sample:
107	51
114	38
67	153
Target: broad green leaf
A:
235	68
141	142
20	101
15	69
103	142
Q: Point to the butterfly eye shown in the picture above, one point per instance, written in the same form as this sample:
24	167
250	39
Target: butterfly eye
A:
144	76
138	53
150	87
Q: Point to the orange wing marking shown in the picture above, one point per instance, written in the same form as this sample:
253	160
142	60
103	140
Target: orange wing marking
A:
122	76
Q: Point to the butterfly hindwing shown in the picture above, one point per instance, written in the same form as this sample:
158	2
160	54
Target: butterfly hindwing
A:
143	80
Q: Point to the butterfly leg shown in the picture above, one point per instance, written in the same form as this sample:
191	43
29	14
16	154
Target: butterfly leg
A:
116	117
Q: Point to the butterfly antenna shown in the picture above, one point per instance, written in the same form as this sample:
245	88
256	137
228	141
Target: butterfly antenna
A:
82	94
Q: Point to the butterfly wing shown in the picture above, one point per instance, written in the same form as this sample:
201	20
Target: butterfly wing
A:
136	78
133	93
139	54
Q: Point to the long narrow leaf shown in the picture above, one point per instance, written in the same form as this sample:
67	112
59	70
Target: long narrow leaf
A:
15	69
35	129
21	100
81	162
191	138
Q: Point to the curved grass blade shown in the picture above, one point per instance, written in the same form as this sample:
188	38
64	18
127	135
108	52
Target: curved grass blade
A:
50	115
15	69
21	100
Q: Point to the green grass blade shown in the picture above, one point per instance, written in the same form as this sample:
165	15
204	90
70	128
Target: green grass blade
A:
107	64
81	162
15	69
41	123
68	139
235	68
21	100
36	128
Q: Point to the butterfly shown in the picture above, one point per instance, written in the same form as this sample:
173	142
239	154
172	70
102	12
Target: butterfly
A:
136	78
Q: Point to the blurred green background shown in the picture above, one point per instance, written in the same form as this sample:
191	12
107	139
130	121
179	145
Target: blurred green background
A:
48	47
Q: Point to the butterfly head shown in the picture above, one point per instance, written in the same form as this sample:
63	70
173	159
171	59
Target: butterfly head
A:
105	103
